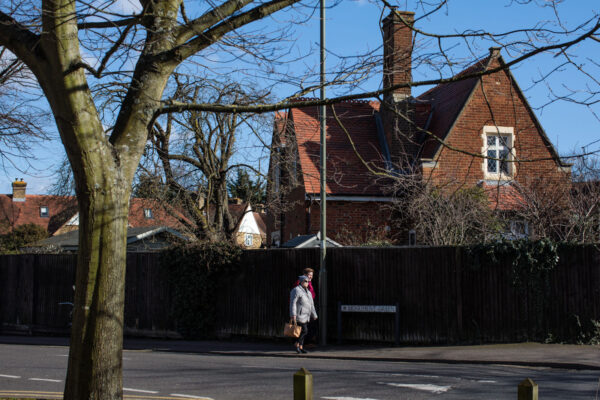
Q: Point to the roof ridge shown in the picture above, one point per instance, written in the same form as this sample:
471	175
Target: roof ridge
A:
349	101
481	62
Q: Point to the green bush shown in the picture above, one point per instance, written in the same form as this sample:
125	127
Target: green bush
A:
196	273
20	236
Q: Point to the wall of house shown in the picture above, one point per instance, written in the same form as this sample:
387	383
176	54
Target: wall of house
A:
351	223
494	103
240	239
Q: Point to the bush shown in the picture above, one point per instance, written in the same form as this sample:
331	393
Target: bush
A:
196	274
21	236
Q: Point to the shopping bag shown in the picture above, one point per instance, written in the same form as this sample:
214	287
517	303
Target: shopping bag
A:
292	329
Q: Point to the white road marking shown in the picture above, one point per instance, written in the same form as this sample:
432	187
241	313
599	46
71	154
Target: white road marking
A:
44	380
416	375
346	398
10	376
417	386
487	381
140	390
190	397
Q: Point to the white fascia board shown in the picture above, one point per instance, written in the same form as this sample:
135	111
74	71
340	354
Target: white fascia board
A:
363	199
74	221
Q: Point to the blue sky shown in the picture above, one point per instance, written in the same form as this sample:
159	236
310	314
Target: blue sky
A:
352	29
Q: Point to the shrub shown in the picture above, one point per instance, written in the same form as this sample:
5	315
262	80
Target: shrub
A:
196	273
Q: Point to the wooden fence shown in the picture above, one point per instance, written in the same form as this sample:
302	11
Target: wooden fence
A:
442	299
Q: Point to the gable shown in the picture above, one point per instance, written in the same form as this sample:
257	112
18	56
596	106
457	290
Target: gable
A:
248	223
497	102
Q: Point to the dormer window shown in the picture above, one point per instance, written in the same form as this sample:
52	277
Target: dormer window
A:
148	213
44	212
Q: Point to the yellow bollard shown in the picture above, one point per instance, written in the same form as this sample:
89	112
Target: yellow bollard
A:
303	385
527	390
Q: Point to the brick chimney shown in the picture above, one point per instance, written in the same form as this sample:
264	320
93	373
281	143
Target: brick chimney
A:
398	108
397	52
19	189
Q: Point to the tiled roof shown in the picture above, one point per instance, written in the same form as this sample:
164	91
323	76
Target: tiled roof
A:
162	214
503	197
447	101
62	208
346	173
16	213
262	226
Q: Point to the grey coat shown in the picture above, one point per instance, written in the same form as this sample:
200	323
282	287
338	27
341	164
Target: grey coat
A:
302	305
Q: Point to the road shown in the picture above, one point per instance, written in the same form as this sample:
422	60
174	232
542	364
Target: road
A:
25	369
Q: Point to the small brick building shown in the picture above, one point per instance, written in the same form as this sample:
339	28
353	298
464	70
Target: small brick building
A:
473	130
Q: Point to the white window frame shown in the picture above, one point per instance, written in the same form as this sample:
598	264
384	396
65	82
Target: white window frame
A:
44	211
148	213
248	239
509	133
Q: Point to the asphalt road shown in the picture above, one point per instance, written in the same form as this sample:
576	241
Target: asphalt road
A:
163	375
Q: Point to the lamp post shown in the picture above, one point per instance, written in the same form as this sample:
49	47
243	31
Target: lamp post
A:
323	228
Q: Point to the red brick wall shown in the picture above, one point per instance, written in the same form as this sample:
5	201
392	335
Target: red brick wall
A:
353	222
494	103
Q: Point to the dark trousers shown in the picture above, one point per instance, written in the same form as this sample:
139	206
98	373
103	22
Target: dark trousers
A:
303	333
313	331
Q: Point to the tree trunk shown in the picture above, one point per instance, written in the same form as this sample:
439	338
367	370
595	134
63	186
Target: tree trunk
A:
95	358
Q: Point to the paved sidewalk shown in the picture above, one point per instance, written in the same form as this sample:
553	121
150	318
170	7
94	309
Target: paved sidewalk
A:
525	354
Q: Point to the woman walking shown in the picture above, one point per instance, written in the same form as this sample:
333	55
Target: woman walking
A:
302	309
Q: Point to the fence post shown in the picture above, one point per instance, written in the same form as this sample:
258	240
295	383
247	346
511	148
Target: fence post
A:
527	390
303	385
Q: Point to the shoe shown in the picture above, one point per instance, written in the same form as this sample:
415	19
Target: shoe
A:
303	351
298	350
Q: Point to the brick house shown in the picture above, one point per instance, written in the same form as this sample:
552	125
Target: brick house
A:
487	118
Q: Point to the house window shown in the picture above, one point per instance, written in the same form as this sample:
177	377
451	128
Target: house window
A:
498	152
519	229
44	212
148	213
248	239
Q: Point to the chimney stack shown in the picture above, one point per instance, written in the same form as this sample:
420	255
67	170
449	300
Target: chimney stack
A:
19	190
398	108
397	52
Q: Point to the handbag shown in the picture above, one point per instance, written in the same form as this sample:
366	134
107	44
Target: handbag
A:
292	329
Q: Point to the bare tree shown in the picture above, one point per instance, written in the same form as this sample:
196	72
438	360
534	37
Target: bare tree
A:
21	121
136	56
104	71
196	152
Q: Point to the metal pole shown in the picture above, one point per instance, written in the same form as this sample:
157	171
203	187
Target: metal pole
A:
323	230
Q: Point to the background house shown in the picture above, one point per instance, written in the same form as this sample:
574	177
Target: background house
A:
250	230
471	131
156	221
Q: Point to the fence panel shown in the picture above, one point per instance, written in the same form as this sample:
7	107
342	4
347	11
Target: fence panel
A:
442	298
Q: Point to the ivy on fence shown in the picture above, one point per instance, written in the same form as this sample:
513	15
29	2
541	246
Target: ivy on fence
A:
196	273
